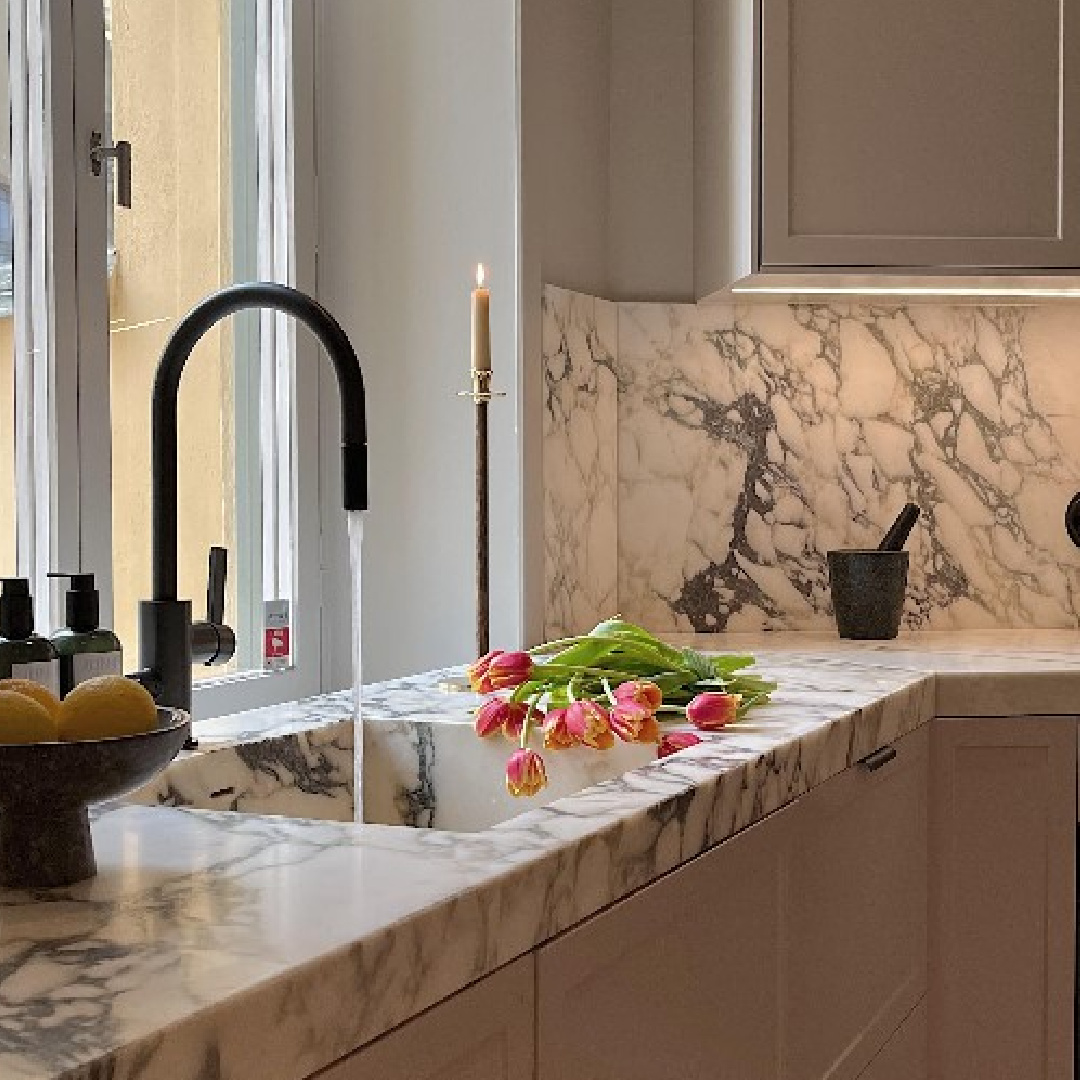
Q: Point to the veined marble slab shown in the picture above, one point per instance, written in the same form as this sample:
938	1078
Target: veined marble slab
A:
231	946
580	341
423	766
754	438
299	759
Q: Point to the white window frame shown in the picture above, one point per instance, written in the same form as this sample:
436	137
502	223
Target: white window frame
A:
47	427
65	466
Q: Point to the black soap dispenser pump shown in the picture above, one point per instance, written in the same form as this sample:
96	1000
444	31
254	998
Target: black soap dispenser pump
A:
86	650
24	654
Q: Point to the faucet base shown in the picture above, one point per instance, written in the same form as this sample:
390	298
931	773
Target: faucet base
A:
165	649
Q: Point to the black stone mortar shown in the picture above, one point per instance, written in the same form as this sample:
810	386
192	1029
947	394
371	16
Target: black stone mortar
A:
45	789
868	589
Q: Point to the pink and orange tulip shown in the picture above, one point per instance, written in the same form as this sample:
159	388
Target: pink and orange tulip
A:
676	741
590	724
556	734
634	724
499	715
712	712
500	671
643	694
525	773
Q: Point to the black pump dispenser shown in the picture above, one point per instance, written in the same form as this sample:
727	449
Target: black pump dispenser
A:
16	609
82	603
86	650
23	654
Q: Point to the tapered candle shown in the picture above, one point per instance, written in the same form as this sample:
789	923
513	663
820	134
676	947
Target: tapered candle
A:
481	324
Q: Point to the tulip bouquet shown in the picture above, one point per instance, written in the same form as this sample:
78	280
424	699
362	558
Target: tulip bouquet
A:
617	682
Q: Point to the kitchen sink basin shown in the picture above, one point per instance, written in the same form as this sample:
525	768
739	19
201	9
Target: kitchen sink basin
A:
437	774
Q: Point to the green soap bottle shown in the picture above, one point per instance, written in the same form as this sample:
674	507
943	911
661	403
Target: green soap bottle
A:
23	654
86	650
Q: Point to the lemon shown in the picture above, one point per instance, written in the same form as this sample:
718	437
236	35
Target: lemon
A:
41	694
23	720
106	708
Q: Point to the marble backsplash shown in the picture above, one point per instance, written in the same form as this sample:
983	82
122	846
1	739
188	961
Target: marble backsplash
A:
700	461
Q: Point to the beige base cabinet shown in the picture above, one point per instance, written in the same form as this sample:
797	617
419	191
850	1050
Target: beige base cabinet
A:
1003	905
793	952
904	1056
484	1033
911	919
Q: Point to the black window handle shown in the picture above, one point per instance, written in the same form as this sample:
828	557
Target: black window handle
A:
215	585
878	759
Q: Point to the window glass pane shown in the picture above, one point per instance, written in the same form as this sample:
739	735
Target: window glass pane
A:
179	71
7	321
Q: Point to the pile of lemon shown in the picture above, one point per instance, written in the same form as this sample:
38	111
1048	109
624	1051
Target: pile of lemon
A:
102	708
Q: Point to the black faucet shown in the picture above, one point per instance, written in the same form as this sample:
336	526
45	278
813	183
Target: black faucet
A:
168	640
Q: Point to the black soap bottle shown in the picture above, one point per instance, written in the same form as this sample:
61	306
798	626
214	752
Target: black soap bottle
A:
86	650
23	654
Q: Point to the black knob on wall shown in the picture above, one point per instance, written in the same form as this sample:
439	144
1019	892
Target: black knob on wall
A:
1072	520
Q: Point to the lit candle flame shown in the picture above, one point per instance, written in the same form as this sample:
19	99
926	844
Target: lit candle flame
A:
481	275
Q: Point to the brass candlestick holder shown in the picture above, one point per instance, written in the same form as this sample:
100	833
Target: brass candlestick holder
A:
482	396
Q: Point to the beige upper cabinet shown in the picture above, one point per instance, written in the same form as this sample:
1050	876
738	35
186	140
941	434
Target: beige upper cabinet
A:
933	135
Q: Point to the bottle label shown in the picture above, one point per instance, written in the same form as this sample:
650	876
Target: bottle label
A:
45	672
93	665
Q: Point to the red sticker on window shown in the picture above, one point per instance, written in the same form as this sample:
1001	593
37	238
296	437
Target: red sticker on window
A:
277	643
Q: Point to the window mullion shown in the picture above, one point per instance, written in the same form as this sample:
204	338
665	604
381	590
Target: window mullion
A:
81	319
275	264
35	422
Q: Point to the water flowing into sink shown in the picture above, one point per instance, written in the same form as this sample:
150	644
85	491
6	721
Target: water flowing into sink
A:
356	550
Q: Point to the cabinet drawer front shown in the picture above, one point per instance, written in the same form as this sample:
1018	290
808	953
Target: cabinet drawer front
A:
483	1033
853	907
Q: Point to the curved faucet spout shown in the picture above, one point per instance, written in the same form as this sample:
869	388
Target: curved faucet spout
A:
164	435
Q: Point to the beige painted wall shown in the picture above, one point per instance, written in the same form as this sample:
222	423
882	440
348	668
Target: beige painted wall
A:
171	100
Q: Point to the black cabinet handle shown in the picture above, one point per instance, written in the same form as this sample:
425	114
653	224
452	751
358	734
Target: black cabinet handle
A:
878	759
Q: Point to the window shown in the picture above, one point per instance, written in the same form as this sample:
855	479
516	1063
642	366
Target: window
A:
205	91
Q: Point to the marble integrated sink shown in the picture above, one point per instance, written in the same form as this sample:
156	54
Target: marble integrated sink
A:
436	774
420	764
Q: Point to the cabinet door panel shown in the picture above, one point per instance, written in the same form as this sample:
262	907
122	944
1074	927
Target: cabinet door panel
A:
1003	899
917	135
904	1055
853	907
676	983
483	1033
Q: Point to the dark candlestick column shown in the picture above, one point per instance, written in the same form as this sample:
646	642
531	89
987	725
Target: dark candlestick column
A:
483	539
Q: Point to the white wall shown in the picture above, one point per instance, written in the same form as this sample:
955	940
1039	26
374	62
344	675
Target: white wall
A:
418	182
607	183
565	146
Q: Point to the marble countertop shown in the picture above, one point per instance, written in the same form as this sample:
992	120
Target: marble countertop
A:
210	941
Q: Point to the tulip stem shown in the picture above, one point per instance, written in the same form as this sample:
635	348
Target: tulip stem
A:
610	695
526	724
570	689
558	646
599	673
